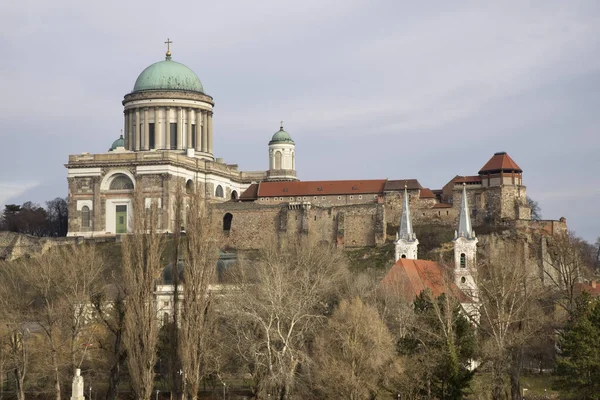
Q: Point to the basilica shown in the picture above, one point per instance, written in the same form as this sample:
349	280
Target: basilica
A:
167	141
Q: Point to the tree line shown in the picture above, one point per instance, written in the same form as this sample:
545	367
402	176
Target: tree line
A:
288	322
32	219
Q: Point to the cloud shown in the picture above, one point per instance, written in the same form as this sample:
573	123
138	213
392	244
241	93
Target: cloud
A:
9	190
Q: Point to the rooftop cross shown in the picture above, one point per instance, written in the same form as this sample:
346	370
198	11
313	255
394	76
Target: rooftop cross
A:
281	125
168	43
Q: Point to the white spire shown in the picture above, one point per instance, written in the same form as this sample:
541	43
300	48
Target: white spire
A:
406	240
464	220
406	230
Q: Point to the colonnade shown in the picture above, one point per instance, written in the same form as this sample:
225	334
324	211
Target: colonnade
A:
193	128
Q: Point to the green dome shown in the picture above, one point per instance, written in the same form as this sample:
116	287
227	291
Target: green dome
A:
120	142
168	75
281	136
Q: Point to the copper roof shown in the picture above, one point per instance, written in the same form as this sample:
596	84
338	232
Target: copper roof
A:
426	194
320	188
500	162
398	184
408	278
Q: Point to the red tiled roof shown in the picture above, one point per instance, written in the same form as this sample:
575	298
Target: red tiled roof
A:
467	179
408	278
320	188
250	193
398	184
500	162
426	194
592	288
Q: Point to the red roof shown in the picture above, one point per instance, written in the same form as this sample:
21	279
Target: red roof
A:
467	179
408	278
426	194
593	288
399	184
250	193
500	162
320	188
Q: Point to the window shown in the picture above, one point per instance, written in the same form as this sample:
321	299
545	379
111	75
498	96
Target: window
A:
219	191
360	197
351	197
85	217
403	256
189	187
193	136
339	197
277	160
463	279
173	135
234	195
151	138
463	260
227	219
121	182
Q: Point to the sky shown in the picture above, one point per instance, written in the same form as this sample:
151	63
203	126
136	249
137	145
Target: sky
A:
367	89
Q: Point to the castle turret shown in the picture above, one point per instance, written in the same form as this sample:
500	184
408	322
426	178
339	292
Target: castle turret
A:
282	157
406	241
465	249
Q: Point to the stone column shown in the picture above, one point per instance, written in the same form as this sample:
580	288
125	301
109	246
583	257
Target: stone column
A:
179	128
130	117
158	141
138	135
210	133
77	386
189	128
198	130
204	131
168	128
126	129
146	130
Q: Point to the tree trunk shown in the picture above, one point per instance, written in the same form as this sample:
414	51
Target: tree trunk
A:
20	381
56	375
497	383
114	378
515	374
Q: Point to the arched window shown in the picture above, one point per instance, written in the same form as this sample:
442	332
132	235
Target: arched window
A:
463	279
463	260
189	187
121	182
85	217
227	219
277	160
219	191
234	195
403	256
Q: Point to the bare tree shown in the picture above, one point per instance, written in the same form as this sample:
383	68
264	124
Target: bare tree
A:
60	283
511	315
14	334
354	353
109	306
564	267
142	251
201	255
275	306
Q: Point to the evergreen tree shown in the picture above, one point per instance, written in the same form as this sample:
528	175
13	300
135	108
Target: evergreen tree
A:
579	361
443	339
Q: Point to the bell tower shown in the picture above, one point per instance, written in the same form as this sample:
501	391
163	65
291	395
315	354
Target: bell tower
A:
406	242
465	250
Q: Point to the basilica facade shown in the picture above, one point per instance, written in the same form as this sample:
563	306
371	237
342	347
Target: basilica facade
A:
168	137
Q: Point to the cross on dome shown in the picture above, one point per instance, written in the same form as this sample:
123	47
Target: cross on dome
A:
168	43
